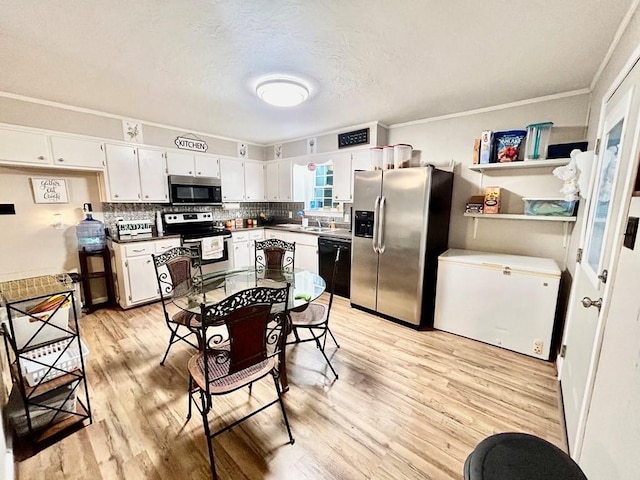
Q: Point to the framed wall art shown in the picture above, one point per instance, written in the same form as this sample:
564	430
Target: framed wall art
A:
50	190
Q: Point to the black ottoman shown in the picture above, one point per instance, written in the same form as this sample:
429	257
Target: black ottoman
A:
519	456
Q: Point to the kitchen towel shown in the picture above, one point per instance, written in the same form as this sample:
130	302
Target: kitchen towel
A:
212	248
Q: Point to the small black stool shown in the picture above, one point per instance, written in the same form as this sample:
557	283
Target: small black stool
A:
519	456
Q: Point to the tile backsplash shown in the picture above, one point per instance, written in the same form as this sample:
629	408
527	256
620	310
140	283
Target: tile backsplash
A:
147	211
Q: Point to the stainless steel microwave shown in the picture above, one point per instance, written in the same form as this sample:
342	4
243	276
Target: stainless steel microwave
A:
195	190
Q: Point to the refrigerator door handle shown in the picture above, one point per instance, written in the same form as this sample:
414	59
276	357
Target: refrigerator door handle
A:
381	244
374	240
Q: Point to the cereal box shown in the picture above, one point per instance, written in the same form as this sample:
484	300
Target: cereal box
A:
485	146
492	200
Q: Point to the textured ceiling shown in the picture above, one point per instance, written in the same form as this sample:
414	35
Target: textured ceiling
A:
194	64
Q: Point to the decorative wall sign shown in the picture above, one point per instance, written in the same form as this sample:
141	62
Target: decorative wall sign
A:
312	144
132	131
277	149
243	150
195	144
50	190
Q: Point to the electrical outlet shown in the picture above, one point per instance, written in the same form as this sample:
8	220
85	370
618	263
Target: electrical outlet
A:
290	214
537	346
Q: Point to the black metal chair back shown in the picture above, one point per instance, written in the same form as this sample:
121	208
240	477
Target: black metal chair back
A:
174	270
274	253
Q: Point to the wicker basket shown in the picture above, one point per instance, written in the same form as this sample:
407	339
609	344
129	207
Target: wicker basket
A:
70	360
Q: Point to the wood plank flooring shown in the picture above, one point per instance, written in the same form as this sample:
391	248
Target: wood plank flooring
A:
407	405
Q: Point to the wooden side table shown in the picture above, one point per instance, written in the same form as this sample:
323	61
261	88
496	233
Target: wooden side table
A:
87	275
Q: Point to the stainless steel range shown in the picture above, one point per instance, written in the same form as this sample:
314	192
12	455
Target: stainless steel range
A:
198	229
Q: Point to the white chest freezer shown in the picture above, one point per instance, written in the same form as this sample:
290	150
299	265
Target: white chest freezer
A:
504	300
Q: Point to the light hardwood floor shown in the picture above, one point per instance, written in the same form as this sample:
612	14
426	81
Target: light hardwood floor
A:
408	405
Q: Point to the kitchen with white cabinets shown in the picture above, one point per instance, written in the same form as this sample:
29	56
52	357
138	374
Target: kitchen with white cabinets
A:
106	130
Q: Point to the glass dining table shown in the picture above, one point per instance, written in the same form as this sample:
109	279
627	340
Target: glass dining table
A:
211	288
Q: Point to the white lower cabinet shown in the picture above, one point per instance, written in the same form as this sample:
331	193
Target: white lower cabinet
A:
134	273
244	247
306	256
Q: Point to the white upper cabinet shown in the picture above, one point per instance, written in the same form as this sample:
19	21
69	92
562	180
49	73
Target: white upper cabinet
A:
279	180
232	179
179	163
344	164
123	178
135	175
24	147
207	166
193	165
271	174
77	153
253	181
152	166
342	174
284	180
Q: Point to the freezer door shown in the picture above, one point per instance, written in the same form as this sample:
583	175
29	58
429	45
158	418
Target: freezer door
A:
367	188
403	212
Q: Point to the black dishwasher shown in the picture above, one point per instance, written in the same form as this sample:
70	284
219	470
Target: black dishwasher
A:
326	256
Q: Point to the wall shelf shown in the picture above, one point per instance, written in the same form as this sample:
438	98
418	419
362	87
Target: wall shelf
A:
488	167
518	216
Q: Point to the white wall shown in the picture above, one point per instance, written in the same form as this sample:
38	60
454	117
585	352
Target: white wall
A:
29	245
441	141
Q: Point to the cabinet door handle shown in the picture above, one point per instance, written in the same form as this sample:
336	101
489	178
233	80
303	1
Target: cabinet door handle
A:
61	159
190	172
41	157
146	196
138	249
199	173
116	196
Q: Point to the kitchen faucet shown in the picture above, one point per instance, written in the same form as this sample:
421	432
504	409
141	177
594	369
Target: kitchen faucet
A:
319	224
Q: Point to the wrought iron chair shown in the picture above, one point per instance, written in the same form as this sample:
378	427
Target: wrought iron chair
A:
315	319
173	268
274	253
256	336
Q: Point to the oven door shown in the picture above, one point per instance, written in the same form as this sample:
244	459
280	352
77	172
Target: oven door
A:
216	265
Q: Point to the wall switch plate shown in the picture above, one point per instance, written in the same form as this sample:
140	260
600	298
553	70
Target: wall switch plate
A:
290	214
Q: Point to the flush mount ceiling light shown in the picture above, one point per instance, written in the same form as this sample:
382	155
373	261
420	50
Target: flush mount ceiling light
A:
282	93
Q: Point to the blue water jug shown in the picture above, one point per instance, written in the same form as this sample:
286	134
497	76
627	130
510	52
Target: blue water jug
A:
90	232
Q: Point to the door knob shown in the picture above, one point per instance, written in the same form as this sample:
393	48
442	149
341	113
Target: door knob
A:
587	302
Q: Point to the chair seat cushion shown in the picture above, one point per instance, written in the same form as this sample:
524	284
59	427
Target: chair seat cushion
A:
188	319
219	379
315	314
519	456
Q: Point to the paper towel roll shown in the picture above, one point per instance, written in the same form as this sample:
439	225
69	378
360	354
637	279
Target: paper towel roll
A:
584	163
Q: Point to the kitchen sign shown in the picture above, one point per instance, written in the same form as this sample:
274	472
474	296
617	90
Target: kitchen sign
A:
195	144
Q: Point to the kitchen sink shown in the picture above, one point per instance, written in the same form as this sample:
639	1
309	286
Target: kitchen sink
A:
317	229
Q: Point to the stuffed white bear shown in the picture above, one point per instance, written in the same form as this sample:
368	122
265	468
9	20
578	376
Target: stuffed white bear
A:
569	174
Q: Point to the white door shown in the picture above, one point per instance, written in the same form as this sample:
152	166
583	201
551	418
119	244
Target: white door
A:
272	181
75	152
598	243
254	181
141	274
342	174
179	163
122	174
154	185
232	179
207	166
612	433
23	147
284	180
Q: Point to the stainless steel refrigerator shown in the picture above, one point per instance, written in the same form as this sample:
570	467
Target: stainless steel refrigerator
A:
400	226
